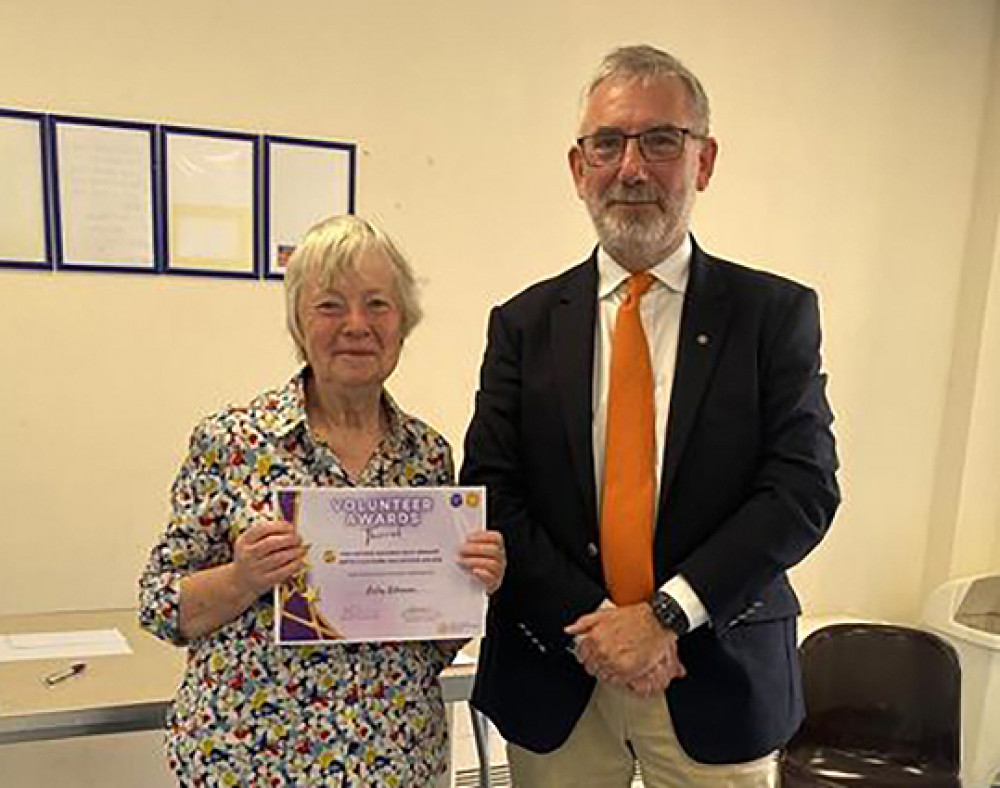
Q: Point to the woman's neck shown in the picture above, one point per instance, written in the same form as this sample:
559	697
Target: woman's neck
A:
351	423
347	410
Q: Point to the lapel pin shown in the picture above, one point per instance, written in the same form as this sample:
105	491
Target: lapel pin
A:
702	339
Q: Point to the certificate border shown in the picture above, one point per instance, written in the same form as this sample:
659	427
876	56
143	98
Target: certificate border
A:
43	155
239	136
54	122
269	271
282	593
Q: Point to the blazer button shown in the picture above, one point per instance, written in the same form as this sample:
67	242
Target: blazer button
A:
592	550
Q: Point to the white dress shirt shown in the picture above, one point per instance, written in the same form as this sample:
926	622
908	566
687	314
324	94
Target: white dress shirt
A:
660	312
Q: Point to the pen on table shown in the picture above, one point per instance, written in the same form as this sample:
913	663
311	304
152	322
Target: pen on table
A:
61	675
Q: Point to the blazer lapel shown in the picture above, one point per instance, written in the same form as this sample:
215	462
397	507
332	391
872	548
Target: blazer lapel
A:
704	320
573	356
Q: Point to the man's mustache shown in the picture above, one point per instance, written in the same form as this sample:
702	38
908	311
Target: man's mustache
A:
632	194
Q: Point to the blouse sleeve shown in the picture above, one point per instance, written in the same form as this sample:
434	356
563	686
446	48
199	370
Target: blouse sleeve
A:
197	535
447	475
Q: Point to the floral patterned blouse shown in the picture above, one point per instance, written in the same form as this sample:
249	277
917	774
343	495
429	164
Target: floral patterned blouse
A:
248	712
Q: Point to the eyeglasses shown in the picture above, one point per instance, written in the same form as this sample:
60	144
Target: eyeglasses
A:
657	145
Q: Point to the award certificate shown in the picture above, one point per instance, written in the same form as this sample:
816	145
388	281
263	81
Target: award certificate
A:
382	564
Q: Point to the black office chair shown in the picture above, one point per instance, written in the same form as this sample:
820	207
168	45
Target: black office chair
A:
883	708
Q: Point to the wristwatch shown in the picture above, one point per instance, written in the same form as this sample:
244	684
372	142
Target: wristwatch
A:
669	613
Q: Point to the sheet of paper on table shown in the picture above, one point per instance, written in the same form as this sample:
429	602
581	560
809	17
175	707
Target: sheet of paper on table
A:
62	645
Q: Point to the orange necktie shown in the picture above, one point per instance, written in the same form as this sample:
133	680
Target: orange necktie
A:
629	488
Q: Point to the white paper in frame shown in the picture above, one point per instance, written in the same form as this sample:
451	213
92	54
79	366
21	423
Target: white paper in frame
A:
210	187
104	172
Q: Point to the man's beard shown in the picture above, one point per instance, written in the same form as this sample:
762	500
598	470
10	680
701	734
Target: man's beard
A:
645	235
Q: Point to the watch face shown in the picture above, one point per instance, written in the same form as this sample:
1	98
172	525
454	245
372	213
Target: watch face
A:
670	614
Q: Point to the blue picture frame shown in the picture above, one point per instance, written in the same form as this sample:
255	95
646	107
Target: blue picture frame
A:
341	198
47	261
60	161
215	218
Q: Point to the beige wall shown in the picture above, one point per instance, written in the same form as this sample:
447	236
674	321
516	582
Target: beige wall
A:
860	152
854	149
965	513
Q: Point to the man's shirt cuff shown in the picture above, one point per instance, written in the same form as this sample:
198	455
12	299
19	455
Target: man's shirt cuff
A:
681	591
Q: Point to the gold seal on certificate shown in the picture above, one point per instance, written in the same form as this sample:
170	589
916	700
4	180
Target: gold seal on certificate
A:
382	565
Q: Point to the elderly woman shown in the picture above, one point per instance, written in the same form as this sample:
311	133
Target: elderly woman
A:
247	711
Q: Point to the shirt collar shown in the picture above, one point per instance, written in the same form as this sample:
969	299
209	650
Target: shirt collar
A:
672	271
287	411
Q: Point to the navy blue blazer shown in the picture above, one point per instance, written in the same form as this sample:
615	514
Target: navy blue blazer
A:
748	489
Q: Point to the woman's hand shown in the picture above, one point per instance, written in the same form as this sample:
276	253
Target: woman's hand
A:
484	556
267	554
263	556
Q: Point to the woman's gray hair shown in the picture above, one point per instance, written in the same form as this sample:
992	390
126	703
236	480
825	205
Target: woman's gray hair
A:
334	247
644	62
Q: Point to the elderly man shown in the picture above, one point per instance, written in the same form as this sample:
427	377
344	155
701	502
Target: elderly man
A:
653	429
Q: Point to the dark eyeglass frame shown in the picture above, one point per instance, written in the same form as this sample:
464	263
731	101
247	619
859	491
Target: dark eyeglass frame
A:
640	137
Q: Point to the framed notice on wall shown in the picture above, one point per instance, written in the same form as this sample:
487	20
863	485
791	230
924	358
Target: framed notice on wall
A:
210	195
109	195
304	181
104	195
24	213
